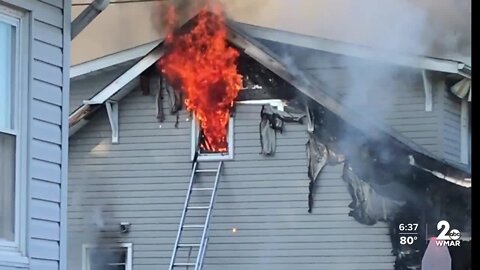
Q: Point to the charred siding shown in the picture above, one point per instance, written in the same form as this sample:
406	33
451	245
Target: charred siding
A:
143	180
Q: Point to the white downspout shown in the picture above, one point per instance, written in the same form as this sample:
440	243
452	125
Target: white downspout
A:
87	16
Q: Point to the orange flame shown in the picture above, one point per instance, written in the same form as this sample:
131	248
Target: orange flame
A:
203	65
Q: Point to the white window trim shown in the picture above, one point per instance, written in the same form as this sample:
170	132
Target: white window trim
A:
14	253
277	103
128	263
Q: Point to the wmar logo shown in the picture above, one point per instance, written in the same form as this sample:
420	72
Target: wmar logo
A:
447	237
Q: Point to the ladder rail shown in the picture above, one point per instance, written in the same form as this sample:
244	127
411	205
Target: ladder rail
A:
201	252
182	219
200	265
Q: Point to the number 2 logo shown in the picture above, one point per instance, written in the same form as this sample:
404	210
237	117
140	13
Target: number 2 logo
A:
446	228
446	234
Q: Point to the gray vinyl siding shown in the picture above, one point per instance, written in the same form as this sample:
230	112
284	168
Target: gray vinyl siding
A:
395	94
450	126
397	98
143	180
47	112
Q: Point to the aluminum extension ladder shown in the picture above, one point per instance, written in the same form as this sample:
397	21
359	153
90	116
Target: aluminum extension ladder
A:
204	226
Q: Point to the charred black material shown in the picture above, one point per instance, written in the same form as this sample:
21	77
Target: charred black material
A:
317	158
261	83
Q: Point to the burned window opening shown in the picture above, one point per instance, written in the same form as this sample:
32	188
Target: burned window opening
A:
201	148
205	147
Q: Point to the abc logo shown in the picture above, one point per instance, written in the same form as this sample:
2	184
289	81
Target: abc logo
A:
446	233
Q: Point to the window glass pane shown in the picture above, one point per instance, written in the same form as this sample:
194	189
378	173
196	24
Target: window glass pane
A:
6	74
7	186
111	259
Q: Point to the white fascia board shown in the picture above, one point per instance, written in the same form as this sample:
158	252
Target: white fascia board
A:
343	48
129	75
112	59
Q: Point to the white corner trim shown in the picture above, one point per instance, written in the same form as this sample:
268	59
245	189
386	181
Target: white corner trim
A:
67	28
112	59
427	86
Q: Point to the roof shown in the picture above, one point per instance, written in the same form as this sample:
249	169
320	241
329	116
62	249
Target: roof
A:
307	84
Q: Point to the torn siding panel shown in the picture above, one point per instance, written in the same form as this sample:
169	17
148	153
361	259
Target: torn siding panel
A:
143	180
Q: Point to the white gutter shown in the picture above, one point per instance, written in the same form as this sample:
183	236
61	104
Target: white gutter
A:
87	16
466	182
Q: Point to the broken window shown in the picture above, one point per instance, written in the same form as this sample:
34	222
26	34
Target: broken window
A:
202	148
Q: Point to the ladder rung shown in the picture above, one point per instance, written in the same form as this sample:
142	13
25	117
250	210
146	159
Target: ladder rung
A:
184	264
198	207
206	171
203	188
188	245
194	226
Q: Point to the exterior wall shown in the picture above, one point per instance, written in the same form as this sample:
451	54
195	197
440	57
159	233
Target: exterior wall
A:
450	125
144	178
48	139
384	93
394	95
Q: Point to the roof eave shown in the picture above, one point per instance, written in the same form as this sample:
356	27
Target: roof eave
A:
353	50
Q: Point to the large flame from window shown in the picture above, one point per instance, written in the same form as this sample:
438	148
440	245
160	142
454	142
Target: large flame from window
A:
202	65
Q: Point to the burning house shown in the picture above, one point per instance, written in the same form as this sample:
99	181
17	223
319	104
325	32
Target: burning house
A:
312	178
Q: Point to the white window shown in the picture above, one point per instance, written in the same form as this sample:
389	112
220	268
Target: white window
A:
211	156
107	257
13	97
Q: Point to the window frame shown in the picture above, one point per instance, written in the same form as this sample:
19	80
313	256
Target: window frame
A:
86	258
212	156
13	253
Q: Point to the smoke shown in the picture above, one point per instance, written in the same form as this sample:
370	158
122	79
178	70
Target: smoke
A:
371	89
95	226
186	9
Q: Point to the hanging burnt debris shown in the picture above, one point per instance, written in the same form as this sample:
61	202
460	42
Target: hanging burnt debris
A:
272	121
